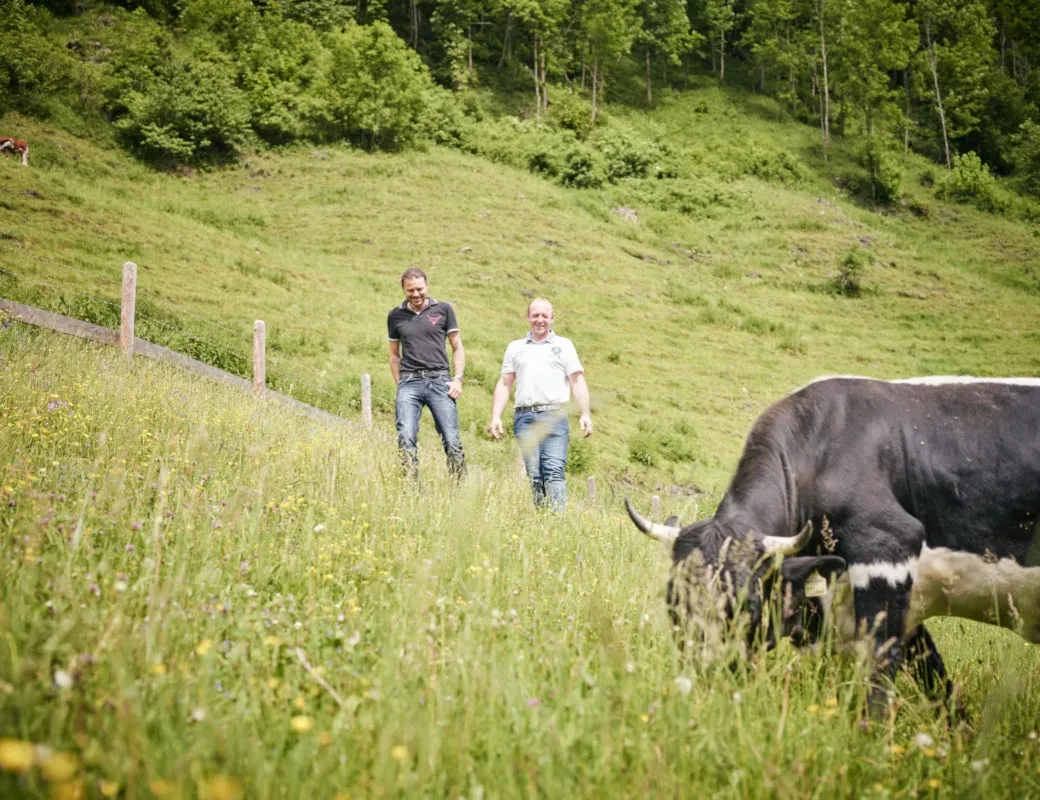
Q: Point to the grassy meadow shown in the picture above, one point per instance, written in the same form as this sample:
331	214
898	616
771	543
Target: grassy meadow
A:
204	596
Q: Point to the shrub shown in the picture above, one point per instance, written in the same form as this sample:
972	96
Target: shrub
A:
885	173
190	110
583	168
1026	155
849	278
570	112
31	64
625	156
970	181
375	89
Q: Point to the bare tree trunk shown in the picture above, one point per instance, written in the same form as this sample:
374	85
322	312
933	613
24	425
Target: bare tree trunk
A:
583	69
595	84
507	45
820	4
537	84
938	94
722	58
415	25
545	80
649	91
469	49
762	78
906	122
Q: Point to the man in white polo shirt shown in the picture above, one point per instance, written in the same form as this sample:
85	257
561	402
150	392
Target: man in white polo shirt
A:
546	371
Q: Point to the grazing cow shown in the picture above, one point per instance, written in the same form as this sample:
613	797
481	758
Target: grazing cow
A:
7	144
923	495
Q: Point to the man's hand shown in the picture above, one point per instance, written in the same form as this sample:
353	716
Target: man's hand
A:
454	388
495	428
585	423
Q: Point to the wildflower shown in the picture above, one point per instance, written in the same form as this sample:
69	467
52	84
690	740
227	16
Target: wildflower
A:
62	679
319	527
161	788
738	698
272	641
934	783
923	740
108	788
324	738
69	790
683	684
534	702
301	723
222	787
198	715
272	683
158	669
979	764
16	755
813	708
298	702
204	647
59	767
399	753
135	526
832	702
896	750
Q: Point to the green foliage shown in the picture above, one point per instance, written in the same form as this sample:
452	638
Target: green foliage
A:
190	110
583	168
571	112
626	156
695	197
885	170
1027	156
970	181
653	443
849	279
375	90
31	65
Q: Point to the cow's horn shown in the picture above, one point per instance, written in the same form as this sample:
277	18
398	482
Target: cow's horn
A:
666	534
788	544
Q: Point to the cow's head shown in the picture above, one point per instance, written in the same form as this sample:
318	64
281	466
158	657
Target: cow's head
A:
723	576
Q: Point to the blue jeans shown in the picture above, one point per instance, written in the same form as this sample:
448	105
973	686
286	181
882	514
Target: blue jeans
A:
544	437
412	394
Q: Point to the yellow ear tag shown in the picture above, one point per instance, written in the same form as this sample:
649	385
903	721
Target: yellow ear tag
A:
815	585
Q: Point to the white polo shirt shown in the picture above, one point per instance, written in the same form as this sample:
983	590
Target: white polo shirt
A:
542	369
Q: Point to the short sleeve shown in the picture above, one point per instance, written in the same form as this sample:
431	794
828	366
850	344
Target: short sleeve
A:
449	319
570	359
509	361
391	328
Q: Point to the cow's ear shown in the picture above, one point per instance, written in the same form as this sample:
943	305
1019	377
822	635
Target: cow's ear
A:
797	569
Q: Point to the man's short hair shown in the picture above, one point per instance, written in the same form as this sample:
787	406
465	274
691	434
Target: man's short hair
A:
411	273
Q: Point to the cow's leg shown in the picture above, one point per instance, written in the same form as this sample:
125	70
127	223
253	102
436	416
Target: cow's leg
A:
922	656
882	557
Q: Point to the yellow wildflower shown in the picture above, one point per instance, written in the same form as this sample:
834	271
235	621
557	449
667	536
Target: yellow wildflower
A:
69	790
222	787
272	641
301	723
299	702
161	788
158	669
934	783
896	750
272	683
324	738
832	702
813	708
399	753
108	788
204	647
60	767
16	755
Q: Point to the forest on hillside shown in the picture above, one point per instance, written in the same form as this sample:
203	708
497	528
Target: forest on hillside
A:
202	81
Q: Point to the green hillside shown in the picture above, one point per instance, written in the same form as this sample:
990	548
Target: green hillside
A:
725	294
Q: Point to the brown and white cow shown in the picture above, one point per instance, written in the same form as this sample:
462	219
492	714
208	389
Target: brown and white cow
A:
9	144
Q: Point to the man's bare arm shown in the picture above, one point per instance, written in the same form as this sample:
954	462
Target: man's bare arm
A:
580	390
498	402
395	361
459	361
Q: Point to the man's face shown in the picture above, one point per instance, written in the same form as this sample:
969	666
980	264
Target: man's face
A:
415	291
540	318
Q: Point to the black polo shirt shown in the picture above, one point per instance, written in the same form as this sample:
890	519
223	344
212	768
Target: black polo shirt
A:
423	335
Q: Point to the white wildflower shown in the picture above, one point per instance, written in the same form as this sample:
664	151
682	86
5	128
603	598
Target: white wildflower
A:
684	685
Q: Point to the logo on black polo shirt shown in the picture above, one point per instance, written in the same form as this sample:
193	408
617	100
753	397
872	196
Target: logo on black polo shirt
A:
434	319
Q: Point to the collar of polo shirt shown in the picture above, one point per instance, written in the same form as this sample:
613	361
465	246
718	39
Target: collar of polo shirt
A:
551	337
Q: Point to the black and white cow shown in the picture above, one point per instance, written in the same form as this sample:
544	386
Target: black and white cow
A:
930	489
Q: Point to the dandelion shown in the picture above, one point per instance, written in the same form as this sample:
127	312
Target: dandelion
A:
298	702
684	685
301	723
16	755
813	708
222	787
934	783
832	702
158	669
204	647
272	683
399	753
59	767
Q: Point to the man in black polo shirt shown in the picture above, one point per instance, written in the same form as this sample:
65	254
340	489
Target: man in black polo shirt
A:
419	363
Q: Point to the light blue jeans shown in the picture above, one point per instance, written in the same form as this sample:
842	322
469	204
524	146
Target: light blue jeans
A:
544	437
412	394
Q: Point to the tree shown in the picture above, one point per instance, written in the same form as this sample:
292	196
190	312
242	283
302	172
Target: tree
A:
769	38
544	20
610	27
665	34
721	17
957	52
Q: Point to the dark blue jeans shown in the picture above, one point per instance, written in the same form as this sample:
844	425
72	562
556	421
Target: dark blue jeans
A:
412	394
544	437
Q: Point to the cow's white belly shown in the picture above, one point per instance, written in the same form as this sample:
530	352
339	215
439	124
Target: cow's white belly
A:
949	583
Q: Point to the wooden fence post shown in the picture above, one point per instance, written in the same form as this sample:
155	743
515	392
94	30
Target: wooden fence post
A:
366	399
126	322
259	357
592	490
655	507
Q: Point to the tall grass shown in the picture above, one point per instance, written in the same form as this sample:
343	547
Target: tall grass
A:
203	596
